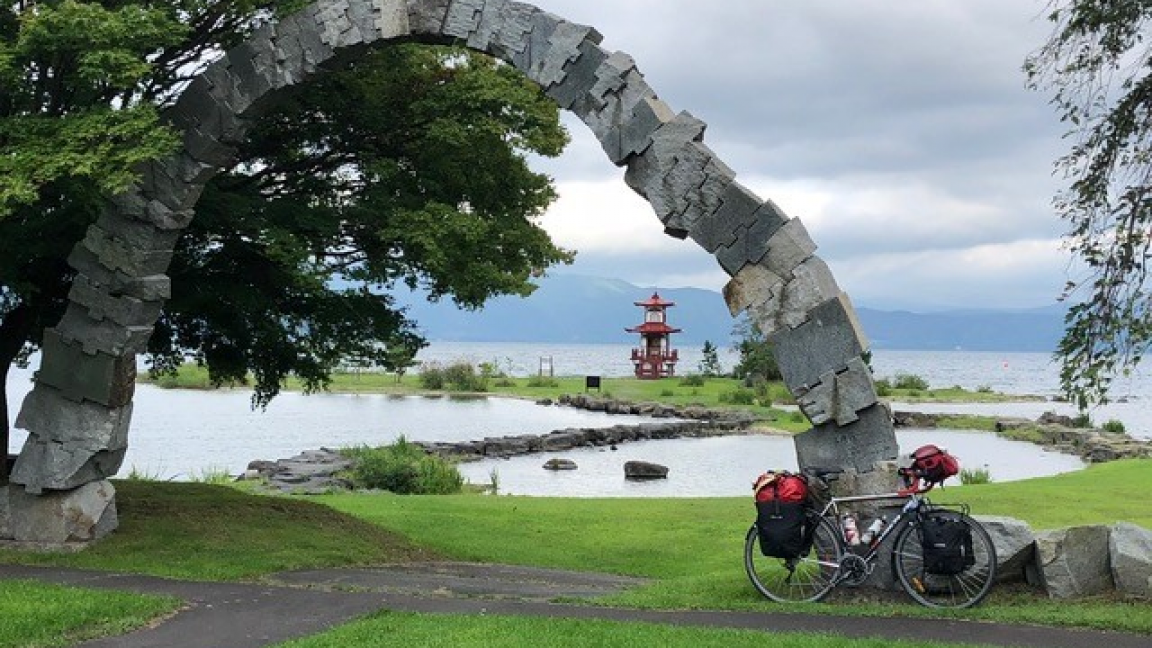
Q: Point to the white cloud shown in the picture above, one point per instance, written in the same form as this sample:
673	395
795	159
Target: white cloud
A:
899	131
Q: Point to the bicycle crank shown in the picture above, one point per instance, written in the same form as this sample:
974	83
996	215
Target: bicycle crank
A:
854	570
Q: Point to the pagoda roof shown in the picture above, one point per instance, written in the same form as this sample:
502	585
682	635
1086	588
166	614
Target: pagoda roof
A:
655	300
653	327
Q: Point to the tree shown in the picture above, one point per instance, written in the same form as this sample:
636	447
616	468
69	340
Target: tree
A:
710	360
757	359
1097	64
386	174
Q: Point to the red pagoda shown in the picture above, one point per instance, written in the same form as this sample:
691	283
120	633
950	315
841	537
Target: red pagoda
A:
655	358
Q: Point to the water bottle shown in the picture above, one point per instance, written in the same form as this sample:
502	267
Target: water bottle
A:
873	531
850	534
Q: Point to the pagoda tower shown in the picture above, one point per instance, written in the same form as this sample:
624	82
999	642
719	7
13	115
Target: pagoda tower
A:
655	358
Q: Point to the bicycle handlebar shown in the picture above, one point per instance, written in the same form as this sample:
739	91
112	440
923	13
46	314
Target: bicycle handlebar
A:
913	483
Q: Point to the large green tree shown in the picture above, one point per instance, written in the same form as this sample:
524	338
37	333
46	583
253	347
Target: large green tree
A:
407	168
1097	64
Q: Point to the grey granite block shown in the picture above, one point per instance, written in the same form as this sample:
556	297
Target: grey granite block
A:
550	68
705	191
858	446
810	285
147	288
123	310
335	25
62	519
463	18
580	75
788	247
69	443
101	336
537	42
493	15
116	253
754	284
826	342
78	376
839	395
635	135
204	149
302	28
427	16
136	233
752	243
737	213
651	174
514	32
611	78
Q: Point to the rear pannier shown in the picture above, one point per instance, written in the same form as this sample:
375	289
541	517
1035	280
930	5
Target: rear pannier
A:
781	515
946	542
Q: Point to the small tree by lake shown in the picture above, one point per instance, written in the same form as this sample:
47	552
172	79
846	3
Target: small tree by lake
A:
710	363
757	359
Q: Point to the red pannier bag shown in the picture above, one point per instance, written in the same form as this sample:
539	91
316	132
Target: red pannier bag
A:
780	486
781	518
934	463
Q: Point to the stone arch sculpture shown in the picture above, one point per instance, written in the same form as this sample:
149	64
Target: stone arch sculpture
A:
77	415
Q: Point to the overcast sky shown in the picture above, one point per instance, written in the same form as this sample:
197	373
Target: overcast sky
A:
900	132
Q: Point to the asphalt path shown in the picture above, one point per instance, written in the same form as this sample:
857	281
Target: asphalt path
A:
296	604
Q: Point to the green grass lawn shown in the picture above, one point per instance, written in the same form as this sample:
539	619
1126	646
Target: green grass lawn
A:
692	547
423	631
41	615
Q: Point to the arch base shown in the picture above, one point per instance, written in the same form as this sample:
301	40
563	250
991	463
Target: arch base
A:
58	520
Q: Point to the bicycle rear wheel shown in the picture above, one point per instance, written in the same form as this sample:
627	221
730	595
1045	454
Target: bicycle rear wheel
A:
960	590
806	578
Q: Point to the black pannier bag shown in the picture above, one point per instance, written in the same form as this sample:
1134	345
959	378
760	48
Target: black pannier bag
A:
783	528
946	542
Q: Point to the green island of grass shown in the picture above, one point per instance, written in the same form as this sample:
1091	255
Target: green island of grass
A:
764	401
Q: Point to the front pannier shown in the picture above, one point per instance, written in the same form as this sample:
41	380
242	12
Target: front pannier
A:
783	528
946	541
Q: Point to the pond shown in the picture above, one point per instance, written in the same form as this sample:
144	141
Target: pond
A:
726	466
180	434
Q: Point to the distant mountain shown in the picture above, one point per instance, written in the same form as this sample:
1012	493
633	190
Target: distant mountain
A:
579	309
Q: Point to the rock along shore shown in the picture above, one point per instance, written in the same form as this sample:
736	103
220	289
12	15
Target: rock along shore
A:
686	422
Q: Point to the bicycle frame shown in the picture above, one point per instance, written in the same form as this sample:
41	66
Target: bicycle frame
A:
911	506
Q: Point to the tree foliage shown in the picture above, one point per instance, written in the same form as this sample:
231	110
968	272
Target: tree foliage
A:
757	361
709	360
1098	66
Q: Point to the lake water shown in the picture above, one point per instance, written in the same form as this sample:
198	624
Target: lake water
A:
176	434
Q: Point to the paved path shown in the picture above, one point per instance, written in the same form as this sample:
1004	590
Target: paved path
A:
243	615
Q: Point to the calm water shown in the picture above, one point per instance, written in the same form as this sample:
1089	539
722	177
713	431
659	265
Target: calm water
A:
180	433
725	466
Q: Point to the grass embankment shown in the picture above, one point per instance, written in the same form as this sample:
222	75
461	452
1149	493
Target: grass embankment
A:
691	548
44	615
204	532
423	631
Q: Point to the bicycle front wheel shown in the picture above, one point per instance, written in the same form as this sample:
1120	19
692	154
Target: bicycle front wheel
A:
963	589
806	578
